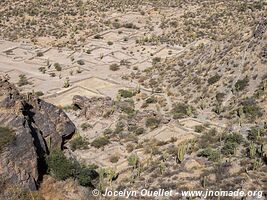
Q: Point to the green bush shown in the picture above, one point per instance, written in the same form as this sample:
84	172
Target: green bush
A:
62	168
208	138
234	138
119	128
152	122
107	131
59	166
156	60
39	93
199	128
181	110
40	54
126	93
80	62
220	97
229	148
212	80
42	69
114	159
7	136
151	100
256	133
241	84
23	80
85	126
100	142
133	160
57	67
114	67
210	153
250	109
78	143
97	36
127	109
139	131
85	176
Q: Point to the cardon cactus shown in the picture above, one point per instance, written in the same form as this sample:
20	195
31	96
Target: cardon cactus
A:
181	153
252	150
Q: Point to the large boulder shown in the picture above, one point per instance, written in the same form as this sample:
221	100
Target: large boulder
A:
38	127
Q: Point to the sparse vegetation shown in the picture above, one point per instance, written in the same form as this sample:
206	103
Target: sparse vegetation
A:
100	142
78	143
211	154
57	67
114	67
23	80
152	122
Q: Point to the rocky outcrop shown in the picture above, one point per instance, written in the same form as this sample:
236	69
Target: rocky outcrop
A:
92	107
38	127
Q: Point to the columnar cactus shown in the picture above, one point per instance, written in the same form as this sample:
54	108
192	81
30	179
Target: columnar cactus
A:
252	150
181	153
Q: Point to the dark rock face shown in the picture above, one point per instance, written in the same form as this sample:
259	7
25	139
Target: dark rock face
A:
39	127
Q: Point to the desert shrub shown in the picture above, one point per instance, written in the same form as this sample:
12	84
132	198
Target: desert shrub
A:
126	93
210	153
152	122
7	136
59	166
39	93
110	43
88	51
151	100
241	84
42	69
250	109
119	128
139	131
57	67
133	160
229	148
156	60
129	147
114	67
81	62
97	36
199	128
220	97
255	133
85	126
130	25
85	176
40	54
100	142
181	110
116	25
114	159
107	131
52	74
208	138
234	138
78	143
23	80
127	109
212	80
62	168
